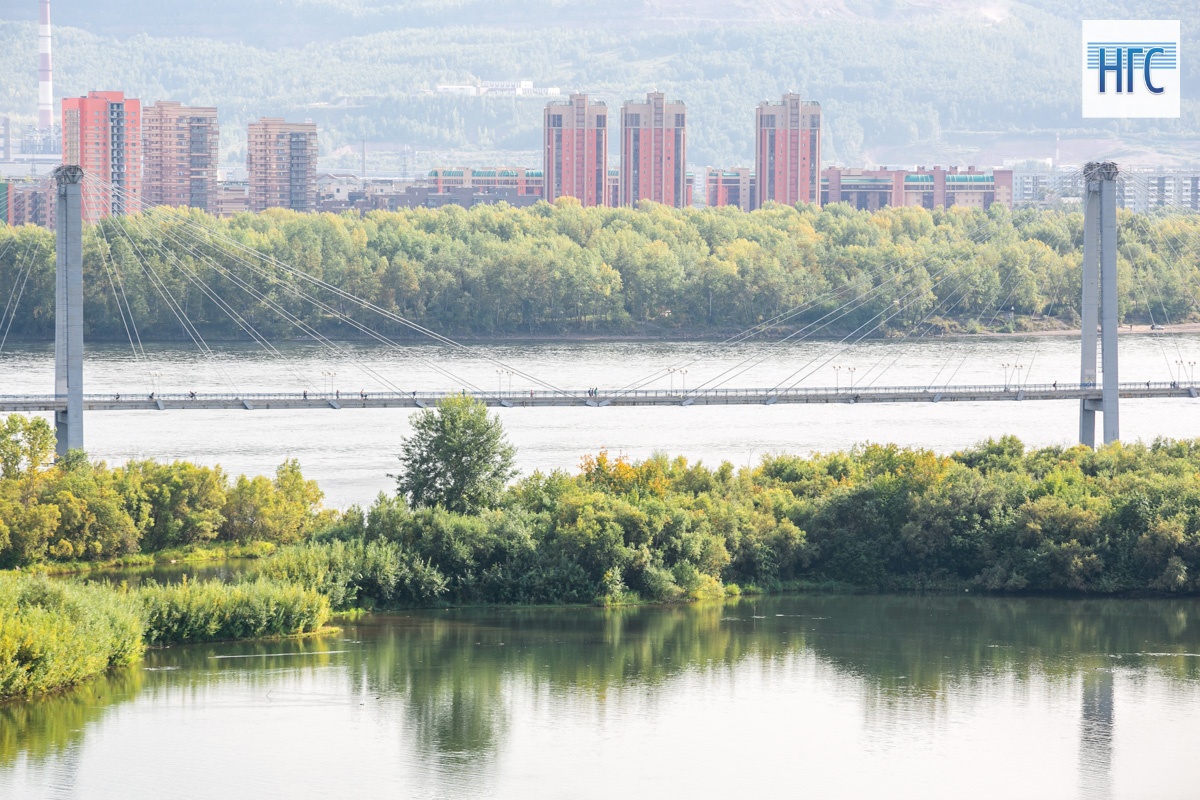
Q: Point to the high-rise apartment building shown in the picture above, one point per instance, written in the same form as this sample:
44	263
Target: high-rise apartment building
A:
575	150
179	152
281	159
654	152
787	151
102	133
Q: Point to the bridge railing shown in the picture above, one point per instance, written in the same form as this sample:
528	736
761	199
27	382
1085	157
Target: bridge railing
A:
516	396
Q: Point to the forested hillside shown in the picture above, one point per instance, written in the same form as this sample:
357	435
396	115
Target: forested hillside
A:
900	80
562	269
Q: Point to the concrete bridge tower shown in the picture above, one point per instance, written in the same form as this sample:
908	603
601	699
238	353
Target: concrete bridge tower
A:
68	310
1099	300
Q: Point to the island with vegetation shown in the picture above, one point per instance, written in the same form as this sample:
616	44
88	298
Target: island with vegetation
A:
459	530
562	270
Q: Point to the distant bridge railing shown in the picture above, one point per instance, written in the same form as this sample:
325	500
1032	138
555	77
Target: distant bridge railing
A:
140	401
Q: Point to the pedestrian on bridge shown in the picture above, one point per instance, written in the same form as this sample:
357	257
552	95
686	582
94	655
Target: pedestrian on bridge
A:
306	394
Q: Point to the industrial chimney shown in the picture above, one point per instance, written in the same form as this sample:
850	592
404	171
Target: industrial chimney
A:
45	79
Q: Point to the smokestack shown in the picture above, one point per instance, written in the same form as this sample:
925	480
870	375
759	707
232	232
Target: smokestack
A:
45	79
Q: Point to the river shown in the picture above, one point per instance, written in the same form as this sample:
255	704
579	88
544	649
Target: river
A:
350	452
822	696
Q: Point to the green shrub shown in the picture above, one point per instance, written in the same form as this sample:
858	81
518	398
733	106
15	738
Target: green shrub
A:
55	634
357	573
212	611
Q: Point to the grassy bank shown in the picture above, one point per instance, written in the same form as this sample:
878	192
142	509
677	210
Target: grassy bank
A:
55	634
214	611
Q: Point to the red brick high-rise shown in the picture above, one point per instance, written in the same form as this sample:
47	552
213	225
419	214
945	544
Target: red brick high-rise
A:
654	152
281	159
180	156
575	150
102	133
787	152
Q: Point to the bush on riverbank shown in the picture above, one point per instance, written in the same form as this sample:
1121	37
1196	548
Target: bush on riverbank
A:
55	634
213	611
80	511
1123	519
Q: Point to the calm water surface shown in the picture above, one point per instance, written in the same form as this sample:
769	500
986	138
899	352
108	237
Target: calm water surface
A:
352	451
823	696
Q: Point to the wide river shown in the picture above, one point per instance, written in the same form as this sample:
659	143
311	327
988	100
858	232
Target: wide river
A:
352	451
820	697
823	696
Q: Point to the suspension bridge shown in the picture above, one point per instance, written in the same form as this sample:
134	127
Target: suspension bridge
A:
1098	388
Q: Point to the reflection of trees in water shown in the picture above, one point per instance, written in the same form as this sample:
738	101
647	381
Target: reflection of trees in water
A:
456	673
46	727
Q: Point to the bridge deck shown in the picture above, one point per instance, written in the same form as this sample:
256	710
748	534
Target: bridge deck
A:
642	397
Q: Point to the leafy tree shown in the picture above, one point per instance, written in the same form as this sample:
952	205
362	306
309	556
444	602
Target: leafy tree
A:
458	458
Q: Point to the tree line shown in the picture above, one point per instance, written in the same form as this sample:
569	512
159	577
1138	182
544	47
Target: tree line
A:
79	510
562	269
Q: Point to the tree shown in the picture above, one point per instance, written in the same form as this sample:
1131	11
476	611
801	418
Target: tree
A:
458	458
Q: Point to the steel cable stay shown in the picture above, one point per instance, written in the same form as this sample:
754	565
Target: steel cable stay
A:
802	333
119	297
189	273
290	317
18	282
964	286
835	315
176	309
221	304
1175	264
967	350
1040	340
306	327
749	333
862	331
1141	289
364	304
120	309
912	341
23	277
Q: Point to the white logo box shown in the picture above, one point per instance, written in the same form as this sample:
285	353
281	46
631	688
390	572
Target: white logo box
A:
1135	80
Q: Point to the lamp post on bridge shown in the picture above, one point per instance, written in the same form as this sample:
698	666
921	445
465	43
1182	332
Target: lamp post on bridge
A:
837	369
850	371
327	376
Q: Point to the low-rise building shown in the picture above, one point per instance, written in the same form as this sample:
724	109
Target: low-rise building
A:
730	187
934	187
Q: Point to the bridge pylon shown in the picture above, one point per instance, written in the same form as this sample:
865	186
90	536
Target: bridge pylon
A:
1099	306
68	310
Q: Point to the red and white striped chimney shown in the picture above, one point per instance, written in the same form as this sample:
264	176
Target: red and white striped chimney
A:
45	77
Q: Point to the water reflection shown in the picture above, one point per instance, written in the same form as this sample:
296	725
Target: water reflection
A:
455	698
1096	735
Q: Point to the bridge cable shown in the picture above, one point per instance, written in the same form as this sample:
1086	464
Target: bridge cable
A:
365	304
273	305
26	271
189	224
830	317
812	327
862	331
173	305
298	322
